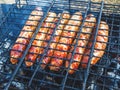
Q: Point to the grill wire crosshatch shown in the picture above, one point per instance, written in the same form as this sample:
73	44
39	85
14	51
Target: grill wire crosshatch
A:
104	75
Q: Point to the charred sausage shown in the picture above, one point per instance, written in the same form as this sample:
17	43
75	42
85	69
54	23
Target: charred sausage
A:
25	35
37	43
66	38
64	20
89	24
100	45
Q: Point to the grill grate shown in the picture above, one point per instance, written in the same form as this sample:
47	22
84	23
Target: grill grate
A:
105	75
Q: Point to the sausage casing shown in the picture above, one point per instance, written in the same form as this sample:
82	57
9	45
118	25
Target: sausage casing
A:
100	45
63	21
37	43
69	31
88	26
25	35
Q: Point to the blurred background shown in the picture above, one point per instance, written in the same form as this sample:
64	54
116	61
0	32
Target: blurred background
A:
4	3
106	1
7	1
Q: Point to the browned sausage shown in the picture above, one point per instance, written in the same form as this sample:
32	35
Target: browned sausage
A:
35	48
64	20
25	35
100	45
82	42
70	32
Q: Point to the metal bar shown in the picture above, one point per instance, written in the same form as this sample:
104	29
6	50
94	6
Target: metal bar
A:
75	46
69	4
27	49
92	48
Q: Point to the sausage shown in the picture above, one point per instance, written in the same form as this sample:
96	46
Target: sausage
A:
46	59
63	21
25	35
88	26
37	43
69	31
100	45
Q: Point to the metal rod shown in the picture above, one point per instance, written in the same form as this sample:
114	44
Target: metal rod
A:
92	49
69	4
75	46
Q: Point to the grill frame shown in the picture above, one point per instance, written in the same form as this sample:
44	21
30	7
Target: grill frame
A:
63	75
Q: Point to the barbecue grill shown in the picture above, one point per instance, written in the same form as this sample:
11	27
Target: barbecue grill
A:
105	75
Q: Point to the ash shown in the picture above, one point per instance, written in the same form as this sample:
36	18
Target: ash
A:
18	85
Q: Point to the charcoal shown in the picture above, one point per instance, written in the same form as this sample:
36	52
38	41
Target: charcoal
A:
113	48
18	85
97	70
114	68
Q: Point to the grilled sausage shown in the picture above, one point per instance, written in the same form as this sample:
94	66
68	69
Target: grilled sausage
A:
25	35
100	45
46	59
64	20
37	43
69	32
82	42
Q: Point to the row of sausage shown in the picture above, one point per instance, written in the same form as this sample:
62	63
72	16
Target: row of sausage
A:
65	37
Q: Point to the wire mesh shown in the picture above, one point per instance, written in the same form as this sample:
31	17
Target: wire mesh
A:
107	72
104	75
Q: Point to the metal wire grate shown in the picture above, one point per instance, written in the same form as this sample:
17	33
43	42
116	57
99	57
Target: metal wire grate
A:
105	75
